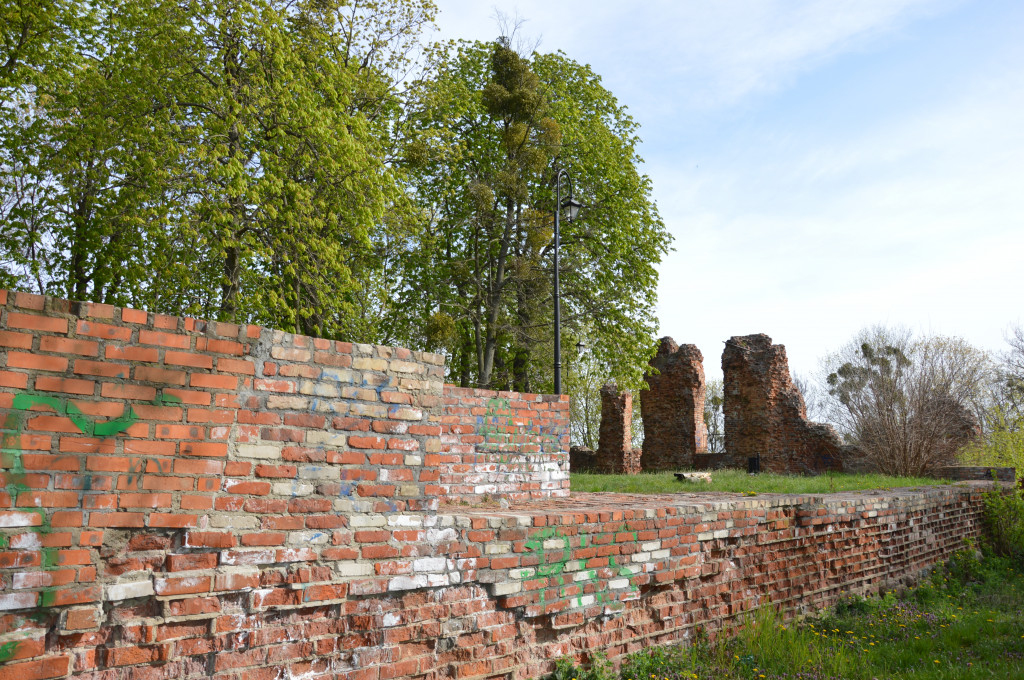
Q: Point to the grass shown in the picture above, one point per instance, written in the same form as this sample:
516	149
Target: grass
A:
739	481
965	621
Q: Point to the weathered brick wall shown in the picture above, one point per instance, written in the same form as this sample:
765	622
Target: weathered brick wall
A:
190	500
672	408
508	444
765	415
615	453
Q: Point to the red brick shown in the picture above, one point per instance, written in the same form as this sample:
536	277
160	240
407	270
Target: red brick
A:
188	359
134	316
144	500
131	656
117	519
82	619
191	562
48	324
220	346
36	362
148	337
103	330
42	461
196	502
30	301
154	483
53	343
160	375
209	539
37	669
165	321
366	442
18	381
186	585
190	397
106	369
172	521
20	340
236	366
213	449
119	391
66	385
48	499
132	353
194	606
216	382
244	487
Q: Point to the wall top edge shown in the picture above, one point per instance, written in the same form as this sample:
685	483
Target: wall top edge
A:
32	303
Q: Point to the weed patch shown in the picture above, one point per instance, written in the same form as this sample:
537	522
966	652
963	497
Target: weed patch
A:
965	621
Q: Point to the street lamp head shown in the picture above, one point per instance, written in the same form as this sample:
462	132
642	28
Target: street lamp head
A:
571	207
580	347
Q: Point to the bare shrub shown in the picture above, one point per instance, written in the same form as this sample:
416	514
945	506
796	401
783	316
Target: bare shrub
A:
909	405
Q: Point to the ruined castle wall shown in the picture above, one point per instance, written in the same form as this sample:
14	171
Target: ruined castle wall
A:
615	453
765	415
672	407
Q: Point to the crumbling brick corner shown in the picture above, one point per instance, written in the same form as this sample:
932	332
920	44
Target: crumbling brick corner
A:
615	453
765	414
672	407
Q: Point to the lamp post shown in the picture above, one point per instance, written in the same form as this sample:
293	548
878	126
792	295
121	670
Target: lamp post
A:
572	207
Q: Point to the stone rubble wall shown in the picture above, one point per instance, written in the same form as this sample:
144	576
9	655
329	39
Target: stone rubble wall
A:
765	415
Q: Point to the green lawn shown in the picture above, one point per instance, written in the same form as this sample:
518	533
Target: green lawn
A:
739	481
965	621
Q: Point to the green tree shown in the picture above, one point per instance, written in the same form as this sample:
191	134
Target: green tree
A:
227	159
489	127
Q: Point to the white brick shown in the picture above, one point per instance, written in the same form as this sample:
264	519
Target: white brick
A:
506	588
408	582
320	472
126	591
404	521
19	519
358	521
619	583
263	451
429	564
276	401
499	548
21	600
291	489
345	569
324	438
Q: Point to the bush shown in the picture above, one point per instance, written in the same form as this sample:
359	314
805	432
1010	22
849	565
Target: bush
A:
1004	520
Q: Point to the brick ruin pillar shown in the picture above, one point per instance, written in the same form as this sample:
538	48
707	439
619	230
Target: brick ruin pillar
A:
673	408
765	414
615	454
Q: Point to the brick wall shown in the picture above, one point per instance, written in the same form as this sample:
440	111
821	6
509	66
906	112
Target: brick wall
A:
615	454
672	408
508	444
765	416
183	499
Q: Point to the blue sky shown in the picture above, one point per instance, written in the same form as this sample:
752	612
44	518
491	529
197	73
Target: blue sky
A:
823	166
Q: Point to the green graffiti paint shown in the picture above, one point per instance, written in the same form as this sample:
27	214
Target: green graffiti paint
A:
555	565
8	650
10	449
